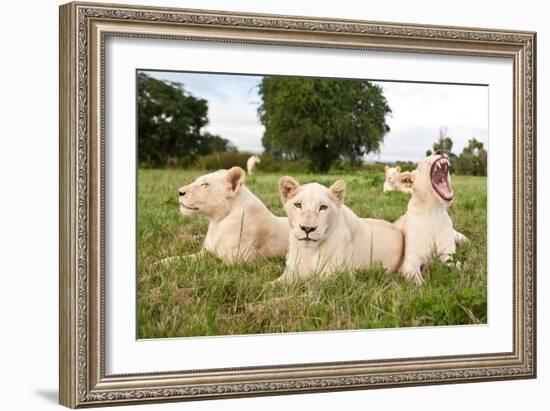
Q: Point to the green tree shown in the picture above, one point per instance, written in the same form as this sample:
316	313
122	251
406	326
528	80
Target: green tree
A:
211	143
170	122
473	159
322	120
443	144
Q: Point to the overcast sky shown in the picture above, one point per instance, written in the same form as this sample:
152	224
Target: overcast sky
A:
418	111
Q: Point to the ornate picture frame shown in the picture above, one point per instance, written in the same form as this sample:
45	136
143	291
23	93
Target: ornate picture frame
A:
84	29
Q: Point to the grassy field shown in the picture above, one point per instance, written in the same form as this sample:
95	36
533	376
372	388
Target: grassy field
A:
208	297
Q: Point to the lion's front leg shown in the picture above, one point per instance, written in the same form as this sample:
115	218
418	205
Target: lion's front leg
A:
445	249
411	269
415	257
460	238
285	278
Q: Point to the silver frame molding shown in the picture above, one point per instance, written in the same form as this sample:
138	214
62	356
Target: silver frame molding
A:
84	27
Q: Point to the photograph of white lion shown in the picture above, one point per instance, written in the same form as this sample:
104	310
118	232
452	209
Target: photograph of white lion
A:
427	226
240	225
397	180
326	236
251	164
227	243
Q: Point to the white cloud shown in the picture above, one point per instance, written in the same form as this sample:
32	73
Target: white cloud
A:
418	110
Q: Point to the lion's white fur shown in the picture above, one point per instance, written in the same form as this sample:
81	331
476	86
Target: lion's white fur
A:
341	240
426	224
240	225
397	180
251	164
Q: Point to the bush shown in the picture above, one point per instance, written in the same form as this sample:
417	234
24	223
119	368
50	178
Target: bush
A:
226	160
470	165
406	165
184	162
271	164
373	167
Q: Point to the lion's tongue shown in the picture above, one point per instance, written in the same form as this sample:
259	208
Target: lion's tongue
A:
441	182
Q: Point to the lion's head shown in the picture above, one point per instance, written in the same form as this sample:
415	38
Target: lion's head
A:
211	195
432	179
392	173
311	209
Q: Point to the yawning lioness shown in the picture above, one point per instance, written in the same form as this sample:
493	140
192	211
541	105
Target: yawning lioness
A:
426	224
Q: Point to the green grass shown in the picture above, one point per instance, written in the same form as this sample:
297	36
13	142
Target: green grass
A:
207	297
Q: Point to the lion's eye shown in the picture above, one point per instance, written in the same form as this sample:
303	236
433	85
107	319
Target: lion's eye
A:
298	205
205	185
323	207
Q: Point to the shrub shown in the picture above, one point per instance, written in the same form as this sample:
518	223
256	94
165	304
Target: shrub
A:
226	160
406	165
272	164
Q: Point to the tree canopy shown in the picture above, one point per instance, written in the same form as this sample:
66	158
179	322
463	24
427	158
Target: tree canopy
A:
472	160
443	143
322	120
169	123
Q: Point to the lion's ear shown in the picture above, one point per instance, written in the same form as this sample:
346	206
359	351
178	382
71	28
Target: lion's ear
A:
287	188
234	177
338	190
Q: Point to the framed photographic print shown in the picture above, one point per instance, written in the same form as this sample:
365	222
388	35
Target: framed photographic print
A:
259	204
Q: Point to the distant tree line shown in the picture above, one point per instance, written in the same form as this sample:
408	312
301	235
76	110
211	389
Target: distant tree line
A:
311	124
472	160
170	124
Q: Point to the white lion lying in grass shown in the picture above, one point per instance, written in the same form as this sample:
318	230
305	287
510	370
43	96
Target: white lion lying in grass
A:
397	180
427	227
326	236
240	225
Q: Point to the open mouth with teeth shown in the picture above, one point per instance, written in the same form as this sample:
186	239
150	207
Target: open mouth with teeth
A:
439	175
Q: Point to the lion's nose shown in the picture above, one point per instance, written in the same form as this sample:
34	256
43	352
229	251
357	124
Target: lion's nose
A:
308	229
181	193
